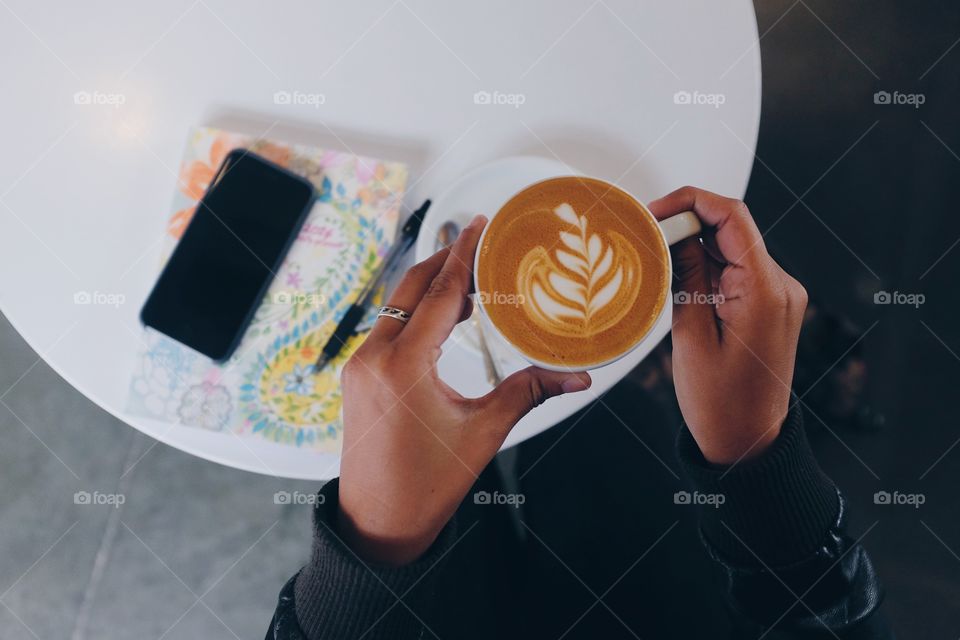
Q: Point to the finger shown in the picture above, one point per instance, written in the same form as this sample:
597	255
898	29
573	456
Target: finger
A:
737	236
734	282
519	393
467	310
443	302
408	293
693	312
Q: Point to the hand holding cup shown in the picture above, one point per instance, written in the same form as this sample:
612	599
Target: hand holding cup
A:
413	446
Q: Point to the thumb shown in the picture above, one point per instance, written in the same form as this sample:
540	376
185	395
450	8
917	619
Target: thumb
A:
522	391
693	312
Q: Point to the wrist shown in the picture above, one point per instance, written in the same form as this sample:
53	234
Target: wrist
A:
335	569
383	540
778	506
740	446
740	431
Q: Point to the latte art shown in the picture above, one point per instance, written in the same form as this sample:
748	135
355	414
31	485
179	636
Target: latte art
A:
587	285
572	272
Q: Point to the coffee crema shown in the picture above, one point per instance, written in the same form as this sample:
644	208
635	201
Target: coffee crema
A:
572	271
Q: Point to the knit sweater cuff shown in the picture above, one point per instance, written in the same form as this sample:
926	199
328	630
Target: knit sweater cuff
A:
339	595
776	508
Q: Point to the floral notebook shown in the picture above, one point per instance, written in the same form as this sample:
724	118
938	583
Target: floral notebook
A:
268	388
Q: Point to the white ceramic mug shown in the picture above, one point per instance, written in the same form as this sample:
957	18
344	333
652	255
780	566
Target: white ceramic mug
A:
672	230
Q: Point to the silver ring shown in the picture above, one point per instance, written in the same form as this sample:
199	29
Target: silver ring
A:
393	312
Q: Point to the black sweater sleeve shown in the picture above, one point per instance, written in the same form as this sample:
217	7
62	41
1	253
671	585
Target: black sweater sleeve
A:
777	525
338	595
792	572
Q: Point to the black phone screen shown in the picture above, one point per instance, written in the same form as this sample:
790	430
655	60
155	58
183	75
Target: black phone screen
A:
221	268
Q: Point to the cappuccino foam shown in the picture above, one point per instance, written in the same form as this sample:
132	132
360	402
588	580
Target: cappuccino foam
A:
573	272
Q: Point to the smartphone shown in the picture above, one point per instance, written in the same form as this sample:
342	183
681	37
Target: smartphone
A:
220	270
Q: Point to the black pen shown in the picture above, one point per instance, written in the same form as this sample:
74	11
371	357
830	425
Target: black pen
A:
356	312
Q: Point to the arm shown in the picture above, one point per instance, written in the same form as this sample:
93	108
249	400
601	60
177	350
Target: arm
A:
778	529
412	449
339	594
780	536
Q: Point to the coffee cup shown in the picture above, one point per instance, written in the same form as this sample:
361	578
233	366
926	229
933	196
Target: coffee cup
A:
572	273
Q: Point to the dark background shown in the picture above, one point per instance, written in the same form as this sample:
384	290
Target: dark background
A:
883	218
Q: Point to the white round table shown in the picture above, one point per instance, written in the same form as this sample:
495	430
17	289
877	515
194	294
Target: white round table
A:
650	95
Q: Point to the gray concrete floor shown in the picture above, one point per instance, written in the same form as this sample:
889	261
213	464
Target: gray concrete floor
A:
197	550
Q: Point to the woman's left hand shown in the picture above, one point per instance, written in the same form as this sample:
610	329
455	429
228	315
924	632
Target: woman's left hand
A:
413	446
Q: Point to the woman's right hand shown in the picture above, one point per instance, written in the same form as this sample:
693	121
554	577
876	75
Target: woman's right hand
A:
735	343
